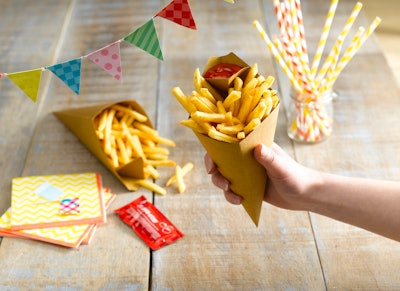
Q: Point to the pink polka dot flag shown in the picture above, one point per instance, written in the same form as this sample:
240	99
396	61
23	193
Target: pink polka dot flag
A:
109	59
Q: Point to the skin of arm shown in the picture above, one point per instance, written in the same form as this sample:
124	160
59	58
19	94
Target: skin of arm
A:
373	205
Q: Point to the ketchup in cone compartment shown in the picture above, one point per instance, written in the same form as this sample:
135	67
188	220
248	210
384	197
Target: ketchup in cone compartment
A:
230	115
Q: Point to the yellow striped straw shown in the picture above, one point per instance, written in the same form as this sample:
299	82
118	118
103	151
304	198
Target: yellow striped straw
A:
277	56
324	37
370	30
354	46
349	53
284	55
339	42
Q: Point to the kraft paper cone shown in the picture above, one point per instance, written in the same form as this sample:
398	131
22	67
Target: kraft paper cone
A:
236	162
81	122
222	84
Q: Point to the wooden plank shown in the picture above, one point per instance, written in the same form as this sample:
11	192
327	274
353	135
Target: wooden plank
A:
22	28
222	249
363	144
116	259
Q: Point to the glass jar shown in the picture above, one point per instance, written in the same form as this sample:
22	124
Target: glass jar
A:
310	117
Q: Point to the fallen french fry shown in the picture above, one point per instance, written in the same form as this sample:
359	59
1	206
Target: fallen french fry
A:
151	186
177	178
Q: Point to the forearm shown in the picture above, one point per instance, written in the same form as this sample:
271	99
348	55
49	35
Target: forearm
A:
369	204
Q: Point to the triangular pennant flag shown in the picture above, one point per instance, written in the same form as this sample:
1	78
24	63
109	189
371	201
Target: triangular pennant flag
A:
178	11
69	72
109	59
145	37
27	81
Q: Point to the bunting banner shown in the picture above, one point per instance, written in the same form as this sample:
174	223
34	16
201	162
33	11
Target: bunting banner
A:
27	81
69	72
145	37
178	11
108	58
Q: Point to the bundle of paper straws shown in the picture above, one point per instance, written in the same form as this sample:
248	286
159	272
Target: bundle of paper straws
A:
308	80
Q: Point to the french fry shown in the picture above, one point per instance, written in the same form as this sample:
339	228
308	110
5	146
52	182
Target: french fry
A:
230	129
220	107
193	125
231	98
136	115
208	117
251	75
183	100
179	179
151	186
241	135
156	163
185	169
213	133
206	93
203	104
251	125
200	82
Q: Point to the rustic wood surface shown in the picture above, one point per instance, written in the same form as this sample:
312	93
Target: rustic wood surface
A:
221	249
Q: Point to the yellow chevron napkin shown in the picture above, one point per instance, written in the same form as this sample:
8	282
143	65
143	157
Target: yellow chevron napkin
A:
69	236
37	201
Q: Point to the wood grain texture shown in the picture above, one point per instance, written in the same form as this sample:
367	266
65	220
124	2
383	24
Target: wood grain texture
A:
221	249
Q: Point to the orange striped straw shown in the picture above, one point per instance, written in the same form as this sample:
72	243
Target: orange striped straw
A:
301	31
277	56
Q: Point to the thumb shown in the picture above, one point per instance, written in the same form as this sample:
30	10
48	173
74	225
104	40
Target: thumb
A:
270	160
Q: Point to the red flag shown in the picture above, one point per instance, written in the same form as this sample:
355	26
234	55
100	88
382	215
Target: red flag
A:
178	11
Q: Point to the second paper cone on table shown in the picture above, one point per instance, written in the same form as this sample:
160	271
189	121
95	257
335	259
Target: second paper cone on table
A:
236	162
81	122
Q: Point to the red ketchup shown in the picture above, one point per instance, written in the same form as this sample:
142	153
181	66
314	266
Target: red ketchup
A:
222	70
149	223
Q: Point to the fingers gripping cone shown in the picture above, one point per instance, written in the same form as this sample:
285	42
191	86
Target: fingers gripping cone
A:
81	122
236	162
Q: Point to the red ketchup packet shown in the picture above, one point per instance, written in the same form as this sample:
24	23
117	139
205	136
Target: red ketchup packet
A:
149	223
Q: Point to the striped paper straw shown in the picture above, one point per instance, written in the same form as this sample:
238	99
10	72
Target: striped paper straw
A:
355	45
277	56
349	53
301	31
370	30
339	42
324	37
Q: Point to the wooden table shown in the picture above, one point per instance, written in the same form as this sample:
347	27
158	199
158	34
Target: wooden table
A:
222	249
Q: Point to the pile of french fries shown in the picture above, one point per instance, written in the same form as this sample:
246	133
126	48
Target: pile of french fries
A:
230	119
125	136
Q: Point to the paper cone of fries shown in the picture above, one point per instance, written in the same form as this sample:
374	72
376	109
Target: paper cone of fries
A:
81	122
232	110
236	162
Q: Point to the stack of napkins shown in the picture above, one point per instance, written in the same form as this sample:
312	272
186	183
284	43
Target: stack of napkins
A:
59	209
